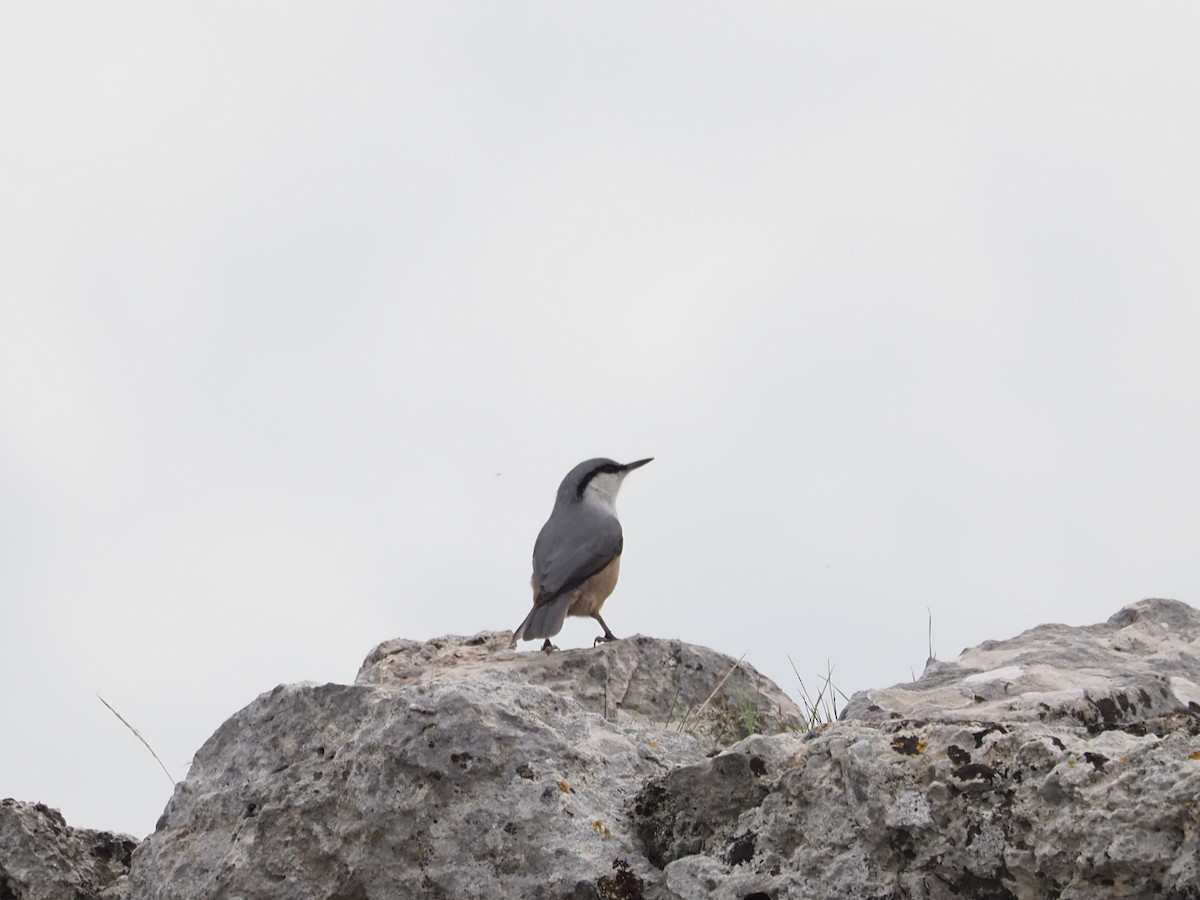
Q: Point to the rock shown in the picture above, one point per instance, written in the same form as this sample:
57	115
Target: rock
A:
921	810
696	808
453	768
1139	671
1064	762
658	683
42	858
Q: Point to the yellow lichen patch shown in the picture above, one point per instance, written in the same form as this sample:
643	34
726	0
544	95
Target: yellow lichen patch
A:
600	828
654	745
1195	755
564	787
909	744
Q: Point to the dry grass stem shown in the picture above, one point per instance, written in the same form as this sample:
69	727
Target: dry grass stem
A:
720	684
138	735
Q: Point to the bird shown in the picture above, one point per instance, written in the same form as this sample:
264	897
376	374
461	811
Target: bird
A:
577	554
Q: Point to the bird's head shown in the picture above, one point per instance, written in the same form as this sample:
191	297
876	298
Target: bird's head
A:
597	480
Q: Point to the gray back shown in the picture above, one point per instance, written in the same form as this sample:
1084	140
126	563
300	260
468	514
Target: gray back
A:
577	541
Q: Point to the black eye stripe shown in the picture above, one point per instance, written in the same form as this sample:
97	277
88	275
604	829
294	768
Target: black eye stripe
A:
613	468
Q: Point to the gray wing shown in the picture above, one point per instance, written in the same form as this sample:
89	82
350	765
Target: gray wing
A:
571	550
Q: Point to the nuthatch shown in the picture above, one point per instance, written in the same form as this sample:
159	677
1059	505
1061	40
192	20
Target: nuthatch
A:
577	555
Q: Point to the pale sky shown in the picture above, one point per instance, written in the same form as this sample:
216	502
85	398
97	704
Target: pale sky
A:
305	310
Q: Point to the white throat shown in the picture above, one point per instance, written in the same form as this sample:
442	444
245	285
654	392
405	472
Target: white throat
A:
602	490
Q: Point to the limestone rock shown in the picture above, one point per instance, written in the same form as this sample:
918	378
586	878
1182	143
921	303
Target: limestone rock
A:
453	768
650	681
1064	762
1140	670
42	858
923	810
695	809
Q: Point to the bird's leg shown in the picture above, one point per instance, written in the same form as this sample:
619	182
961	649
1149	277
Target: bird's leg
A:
548	647
607	636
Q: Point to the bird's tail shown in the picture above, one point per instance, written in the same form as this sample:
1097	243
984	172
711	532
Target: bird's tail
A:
544	621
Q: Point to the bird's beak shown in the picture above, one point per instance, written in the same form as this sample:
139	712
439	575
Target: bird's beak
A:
629	467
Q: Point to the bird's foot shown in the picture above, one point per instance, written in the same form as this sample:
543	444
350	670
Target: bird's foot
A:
548	647
605	638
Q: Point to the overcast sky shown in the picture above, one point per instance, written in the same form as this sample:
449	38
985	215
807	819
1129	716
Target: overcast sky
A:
305	310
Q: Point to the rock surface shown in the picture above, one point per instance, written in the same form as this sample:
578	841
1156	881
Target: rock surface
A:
454	768
1138	671
1064	762
41	858
639	680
